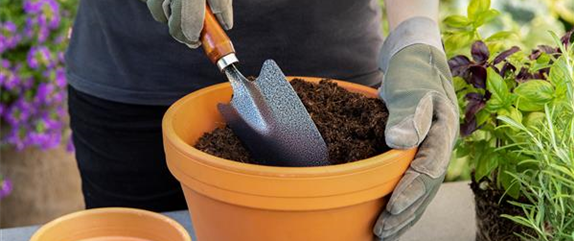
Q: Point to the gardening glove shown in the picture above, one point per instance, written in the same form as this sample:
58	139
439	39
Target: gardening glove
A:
423	112
185	17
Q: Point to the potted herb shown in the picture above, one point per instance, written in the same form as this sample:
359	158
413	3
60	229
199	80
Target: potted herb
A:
548	144
494	92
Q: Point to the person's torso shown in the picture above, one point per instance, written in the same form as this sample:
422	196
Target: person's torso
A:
118	52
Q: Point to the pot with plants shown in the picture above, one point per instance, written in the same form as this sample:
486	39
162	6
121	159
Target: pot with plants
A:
517	132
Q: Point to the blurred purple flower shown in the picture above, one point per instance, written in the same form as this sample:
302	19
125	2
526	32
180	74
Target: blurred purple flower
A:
35	83
5	188
60	77
18	112
61	57
38	56
43	34
16	137
5	63
60	111
5	71
70	145
43	93
52	11
29	27
12	81
32	6
9	36
2	110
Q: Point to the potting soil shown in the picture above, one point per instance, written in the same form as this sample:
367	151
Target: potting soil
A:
490	203
351	124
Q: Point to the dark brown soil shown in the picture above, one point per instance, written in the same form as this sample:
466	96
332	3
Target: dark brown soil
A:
489	207
351	124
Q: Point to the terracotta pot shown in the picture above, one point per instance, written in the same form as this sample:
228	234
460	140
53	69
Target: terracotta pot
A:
230	200
112	224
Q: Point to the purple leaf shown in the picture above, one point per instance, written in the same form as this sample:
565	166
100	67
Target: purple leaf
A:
476	102
477	76
507	67
495	69
523	75
458	65
535	54
473	97
547	49
544	73
479	52
487	95
468	127
566	39
502	56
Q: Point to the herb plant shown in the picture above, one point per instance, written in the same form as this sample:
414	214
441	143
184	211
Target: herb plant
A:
518	124
548	145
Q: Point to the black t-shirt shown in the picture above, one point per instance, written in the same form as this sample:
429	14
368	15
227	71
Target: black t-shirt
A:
118	52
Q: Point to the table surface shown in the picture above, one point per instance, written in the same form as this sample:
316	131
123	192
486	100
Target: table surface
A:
450	216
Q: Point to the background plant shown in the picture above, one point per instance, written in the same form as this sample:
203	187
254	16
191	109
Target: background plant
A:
518	123
33	36
487	38
549	146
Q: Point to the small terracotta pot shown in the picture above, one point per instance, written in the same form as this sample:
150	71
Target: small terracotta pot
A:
236	201
112	224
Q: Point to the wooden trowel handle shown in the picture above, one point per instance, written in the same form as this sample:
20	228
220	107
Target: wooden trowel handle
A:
215	41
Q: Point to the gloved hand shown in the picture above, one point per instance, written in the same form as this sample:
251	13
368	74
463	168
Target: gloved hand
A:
423	111
185	17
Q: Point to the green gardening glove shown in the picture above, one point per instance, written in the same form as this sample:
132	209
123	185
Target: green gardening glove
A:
423	112
185	17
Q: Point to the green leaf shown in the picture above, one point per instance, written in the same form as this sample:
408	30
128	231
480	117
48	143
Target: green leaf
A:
457	21
500	94
486	160
560	75
542	62
534	94
485	17
482	116
476	7
456	40
534	119
459	83
512	113
462	150
509	121
507	181
502	35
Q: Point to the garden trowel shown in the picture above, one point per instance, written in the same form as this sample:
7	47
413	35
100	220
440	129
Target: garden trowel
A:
266	113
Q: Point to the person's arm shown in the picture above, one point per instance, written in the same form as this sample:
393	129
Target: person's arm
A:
418	91
400	10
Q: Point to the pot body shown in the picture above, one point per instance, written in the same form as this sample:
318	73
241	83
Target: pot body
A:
236	201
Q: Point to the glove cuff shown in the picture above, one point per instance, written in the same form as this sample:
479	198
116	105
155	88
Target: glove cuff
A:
417	30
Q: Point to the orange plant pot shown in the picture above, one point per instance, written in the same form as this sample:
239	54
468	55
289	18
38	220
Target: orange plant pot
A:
236	201
112	224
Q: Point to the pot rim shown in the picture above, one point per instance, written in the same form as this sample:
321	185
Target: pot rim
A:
356	167
118	210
